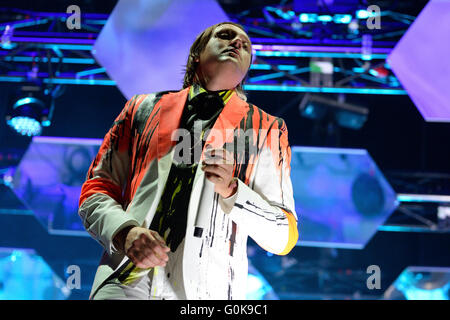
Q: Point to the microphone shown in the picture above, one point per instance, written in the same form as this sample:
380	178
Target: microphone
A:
204	208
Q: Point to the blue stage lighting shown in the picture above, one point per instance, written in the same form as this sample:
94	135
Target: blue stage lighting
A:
257	286
325	18
362	14
308	17
31	110
420	283
346	115
342	18
350	120
313	111
25	126
24	275
27	115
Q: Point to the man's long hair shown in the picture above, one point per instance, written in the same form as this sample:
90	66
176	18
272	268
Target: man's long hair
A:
190	76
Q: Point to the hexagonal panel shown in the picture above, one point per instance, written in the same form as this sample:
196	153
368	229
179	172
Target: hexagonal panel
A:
420	283
144	45
341	196
420	61
49	179
24	275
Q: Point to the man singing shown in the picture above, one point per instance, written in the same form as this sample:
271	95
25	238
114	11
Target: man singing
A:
183	178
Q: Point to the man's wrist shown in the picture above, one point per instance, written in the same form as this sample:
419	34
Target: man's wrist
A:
232	187
120	238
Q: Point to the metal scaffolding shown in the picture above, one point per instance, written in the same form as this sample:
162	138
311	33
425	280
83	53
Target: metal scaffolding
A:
38	47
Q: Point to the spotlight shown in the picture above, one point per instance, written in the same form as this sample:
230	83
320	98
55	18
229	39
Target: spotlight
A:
350	120
312	110
30	111
362	14
443	215
420	283
345	114
353	27
5	40
342	18
379	72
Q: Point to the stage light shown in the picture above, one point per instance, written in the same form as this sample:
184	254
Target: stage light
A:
379	72
257	286
342	18
24	275
308	17
303	18
312	110
443	215
314	17
325	18
6	38
420	283
31	111
26	126
366	49
353	27
362	14
350	120
26	116
346	115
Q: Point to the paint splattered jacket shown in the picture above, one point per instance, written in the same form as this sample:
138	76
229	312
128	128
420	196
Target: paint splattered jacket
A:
128	175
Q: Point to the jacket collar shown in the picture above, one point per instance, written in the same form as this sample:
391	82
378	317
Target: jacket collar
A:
172	105
196	89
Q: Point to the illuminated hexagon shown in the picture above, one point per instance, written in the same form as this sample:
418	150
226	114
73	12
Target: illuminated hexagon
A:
420	61
49	179
341	196
144	45
420	283
24	275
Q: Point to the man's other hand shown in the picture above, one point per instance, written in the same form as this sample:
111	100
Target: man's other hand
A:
146	248
218	166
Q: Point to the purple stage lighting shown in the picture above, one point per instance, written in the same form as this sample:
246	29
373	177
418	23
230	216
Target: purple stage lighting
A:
144	45
421	61
341	196
49	179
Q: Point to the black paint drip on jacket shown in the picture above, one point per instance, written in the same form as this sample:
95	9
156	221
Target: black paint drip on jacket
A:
170	219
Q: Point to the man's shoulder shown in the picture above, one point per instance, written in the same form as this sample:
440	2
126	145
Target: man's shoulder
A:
265	116
141	106
153	95
147	101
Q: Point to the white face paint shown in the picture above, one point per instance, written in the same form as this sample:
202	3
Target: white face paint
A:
226	58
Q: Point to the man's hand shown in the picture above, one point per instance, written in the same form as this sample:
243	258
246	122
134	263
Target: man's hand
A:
146	248
218	166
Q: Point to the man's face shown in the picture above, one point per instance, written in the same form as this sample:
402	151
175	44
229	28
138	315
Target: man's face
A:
227	54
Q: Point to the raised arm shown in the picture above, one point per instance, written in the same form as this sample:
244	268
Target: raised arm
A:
266	210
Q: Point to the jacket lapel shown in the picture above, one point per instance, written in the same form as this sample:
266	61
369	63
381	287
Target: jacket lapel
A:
172	106
230	117
223	128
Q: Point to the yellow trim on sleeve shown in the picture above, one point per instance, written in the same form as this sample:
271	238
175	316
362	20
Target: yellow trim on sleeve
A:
293	233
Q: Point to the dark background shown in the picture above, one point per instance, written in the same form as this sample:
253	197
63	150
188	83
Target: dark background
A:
395	134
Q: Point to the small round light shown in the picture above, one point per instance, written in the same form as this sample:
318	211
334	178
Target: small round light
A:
25	126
